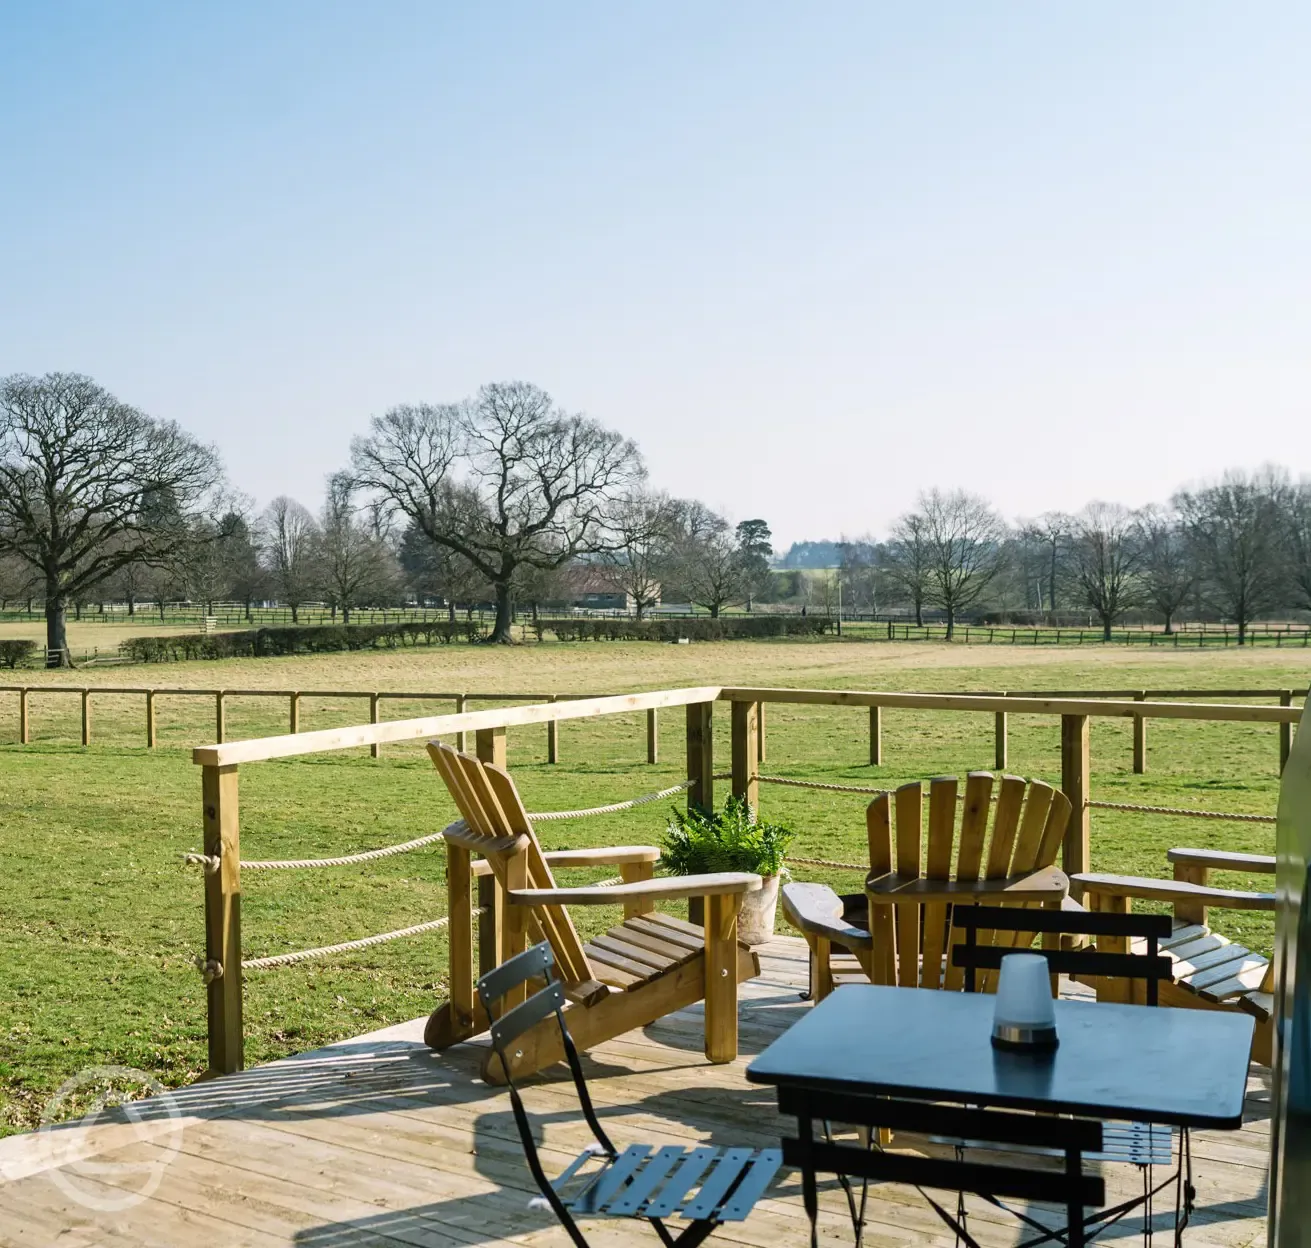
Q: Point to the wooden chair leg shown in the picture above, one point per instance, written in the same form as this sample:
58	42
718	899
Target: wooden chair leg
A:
514	924
721	977
1109	988
634	873
459	933
821	964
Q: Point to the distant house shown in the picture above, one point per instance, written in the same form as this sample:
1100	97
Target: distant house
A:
589	589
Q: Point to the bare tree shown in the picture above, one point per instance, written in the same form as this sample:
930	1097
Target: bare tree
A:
858	570
1168	575
354	562
1106	558
82	480
963	537
644	525
904	559
1297	542
290	539
504	480
1235	527
1053	534
705	559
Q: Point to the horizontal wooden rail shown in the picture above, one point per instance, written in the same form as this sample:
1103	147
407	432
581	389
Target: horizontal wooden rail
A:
1018	705
328	739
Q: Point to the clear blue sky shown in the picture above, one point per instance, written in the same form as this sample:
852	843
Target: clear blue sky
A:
812	257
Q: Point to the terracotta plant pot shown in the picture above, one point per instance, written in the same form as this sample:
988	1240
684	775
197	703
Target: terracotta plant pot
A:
755	921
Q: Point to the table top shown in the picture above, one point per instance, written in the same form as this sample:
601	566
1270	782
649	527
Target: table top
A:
1180	1067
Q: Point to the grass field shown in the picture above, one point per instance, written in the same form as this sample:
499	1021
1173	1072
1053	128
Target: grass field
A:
99	921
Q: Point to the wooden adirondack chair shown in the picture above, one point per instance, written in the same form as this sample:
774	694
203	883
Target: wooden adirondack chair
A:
911	892
1210	971
642	969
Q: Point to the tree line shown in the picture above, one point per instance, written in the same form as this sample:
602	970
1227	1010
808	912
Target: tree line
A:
503	497
507	498
1235	549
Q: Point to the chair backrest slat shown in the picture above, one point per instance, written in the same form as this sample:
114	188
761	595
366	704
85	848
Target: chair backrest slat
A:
910	832
513	1023
878	827
1005	825
493	810
530	964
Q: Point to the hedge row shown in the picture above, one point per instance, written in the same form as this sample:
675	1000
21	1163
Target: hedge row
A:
702	629
261	643
14	650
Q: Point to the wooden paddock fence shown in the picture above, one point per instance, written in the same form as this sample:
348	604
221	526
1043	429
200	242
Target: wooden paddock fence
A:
461	702
222	966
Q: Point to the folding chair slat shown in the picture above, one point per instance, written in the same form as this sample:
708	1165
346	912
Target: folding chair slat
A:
753	1185
717	1183
607	1184
513	1023
524	966
684	1179
646	1180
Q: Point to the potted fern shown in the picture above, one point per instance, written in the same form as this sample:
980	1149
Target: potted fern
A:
698	842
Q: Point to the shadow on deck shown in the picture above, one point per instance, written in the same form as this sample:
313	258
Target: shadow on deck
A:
379	1141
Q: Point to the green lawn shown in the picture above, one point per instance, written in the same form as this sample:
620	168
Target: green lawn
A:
100	921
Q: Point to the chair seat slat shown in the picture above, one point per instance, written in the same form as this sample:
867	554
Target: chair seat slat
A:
752	1187
603	1189
717	1183
634	1196
684	1179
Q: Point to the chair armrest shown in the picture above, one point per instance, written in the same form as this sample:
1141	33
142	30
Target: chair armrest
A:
601	857
458	834
816	910
1172	890
1049	884
668	888
1223	860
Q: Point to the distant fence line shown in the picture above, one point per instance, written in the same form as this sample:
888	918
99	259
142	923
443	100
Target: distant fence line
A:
461	702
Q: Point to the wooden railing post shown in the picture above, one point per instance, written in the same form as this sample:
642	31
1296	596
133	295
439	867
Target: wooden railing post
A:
701	755
223	919
876	736
1001	741
1075	765
86	716
760	732
746	767
652	737
461	738
1285	731
150	719
374	749
293	714
24	728
489	744
1140	738
219	717
552	737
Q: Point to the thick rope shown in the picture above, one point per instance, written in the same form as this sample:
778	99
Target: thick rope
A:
828	862
1177	810
815	784
544	816
304	955
345	860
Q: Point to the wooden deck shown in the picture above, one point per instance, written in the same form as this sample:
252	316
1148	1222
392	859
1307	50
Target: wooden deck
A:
379	1141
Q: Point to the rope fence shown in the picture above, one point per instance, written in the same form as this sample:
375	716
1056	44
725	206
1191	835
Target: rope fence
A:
1179	810
304	955
545	816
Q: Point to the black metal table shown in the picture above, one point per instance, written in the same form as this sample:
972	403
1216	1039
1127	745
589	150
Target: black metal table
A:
1172	1067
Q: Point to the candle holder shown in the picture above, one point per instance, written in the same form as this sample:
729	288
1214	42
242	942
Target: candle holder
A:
1024	1019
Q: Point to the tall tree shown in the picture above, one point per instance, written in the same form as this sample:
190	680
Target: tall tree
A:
1235	526
755	549
290	541
705	559
904	559
78	471
964	537
1297	542
644	524
505	480
1053	534
1168	575
858	571
354	562
1107	557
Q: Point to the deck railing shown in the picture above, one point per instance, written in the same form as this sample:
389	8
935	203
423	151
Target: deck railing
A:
220	767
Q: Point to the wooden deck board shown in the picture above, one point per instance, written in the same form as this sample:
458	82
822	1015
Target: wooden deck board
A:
377	1141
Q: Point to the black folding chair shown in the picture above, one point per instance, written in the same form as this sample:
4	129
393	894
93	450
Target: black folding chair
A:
639	1182
997	1129
1139	1144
